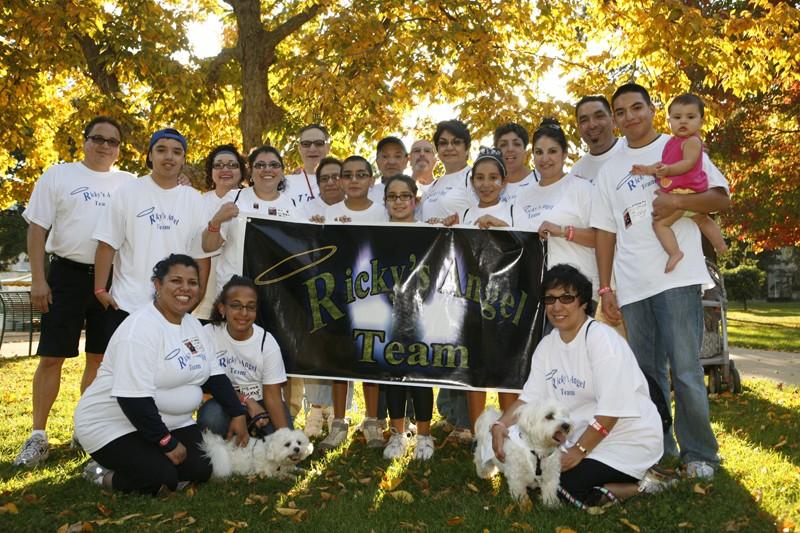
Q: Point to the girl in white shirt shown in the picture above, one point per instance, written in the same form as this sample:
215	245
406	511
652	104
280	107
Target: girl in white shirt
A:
250	357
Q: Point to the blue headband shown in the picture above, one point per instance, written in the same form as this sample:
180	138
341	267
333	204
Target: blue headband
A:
167	133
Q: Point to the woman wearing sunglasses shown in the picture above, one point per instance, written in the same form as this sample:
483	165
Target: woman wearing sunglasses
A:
314	144
586	366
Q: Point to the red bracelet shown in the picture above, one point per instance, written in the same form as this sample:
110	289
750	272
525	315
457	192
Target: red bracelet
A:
165	440
212	228
600	428
604	290
99	291
570	233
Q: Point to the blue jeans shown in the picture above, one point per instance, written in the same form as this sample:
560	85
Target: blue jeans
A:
452	405
212	416
668	327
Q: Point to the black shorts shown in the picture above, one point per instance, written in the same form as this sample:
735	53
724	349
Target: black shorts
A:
580	481
74	307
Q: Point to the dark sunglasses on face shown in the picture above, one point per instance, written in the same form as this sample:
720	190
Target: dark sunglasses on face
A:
565	298
318	143
99	140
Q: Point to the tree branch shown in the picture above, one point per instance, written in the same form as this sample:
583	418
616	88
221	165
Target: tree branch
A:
107	82
218	62
277	35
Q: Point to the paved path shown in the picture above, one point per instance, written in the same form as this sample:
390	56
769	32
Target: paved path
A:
777	366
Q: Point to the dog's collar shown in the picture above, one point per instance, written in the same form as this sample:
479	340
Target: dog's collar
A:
515	434
538	463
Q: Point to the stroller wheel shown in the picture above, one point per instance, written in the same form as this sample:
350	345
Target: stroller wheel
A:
735	385
714	380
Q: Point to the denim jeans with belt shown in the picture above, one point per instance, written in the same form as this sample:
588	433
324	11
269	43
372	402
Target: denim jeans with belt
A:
669	327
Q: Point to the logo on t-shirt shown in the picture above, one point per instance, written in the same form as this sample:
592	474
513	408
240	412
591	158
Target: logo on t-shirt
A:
88	195
162	221
567	385
632	181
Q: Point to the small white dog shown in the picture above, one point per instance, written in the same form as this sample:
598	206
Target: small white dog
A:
273	456
532	456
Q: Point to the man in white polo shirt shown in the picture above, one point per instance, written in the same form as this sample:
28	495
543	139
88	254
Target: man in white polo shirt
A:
596	128
663	311
63	211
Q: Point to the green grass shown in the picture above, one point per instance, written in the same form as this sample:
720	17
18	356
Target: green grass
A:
765	325
758	487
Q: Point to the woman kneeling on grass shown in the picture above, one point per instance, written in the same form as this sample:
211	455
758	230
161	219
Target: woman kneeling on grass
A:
250	357
589	368
135	419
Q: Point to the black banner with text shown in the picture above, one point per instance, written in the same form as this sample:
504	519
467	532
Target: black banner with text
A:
457	307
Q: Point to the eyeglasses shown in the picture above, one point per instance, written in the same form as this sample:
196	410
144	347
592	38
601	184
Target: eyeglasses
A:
318	143
99	140
455	143
261	165
230	165
565	298
236	306
404	197
363	175
328	178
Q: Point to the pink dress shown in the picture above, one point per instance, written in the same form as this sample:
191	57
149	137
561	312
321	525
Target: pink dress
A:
693	181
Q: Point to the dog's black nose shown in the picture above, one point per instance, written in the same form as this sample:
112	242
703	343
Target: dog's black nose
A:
565	426
296	449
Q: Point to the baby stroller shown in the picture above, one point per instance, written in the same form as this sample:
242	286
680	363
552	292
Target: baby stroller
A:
714	354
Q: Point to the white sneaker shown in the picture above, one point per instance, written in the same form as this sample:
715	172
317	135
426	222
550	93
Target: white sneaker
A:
653	482
699	470
336	437
373	433
424	449
327	412
94	473
314	421
34	451
397	446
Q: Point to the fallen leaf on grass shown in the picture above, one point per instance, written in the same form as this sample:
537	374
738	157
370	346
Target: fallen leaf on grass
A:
30	498
390	484
472	487
325	496
291	505
179	514
786	525
299	516
365	480
595	510
238	524
509	509
125	518
757	495
105	511
565	530
700	489
402	495
630	524
455	521
10	508
190	491
77	527
521	526
686	525
253	498
287	511
781	443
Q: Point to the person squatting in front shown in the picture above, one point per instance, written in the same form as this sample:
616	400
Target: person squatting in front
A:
135	419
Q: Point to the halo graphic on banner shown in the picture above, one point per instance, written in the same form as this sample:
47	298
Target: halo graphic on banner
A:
331	249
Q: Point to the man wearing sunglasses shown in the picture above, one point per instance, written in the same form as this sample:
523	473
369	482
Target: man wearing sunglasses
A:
314	144
62	213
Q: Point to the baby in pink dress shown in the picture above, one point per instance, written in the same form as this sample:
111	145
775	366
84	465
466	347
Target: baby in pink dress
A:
680	171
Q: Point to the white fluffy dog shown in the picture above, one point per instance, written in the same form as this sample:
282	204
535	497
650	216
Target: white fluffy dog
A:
273	456
532	456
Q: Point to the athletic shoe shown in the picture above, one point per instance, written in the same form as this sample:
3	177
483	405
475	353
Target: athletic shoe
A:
424	449
410	426
314	422
398	445
94	473
327	412
654	482
373	433
699	470
336	437
461	436
34	451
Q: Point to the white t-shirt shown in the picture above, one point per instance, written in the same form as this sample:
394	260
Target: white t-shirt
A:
374	213
147	357
588	166
422	188
449	194
567	202
376	192
301	188
623	205
501	210
597	374
512	190
68	200
230	257
245	363
315	207
145	224
212	203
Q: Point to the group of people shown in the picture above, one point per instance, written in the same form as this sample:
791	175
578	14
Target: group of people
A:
608	222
